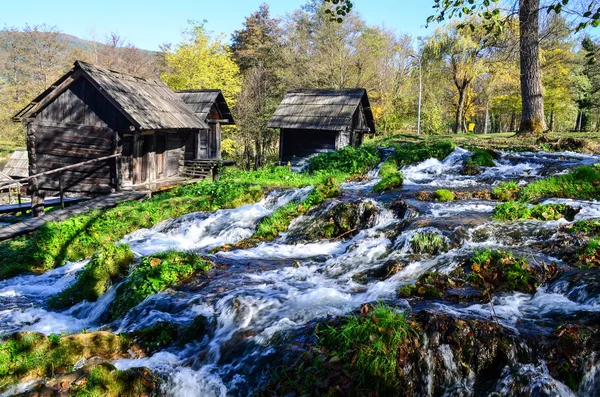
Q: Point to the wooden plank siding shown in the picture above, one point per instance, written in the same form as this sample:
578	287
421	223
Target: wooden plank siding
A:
302	143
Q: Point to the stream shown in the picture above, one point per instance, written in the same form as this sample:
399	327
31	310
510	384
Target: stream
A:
261	301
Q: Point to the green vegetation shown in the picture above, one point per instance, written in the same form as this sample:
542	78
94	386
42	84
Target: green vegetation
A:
514	210
581	183
348	160
479	158
370	345
108	265
154	274
429	285
444	195
506	191
428	243
81	236
589	226
104	380
589	255
494	270
33	355
270	227
391	177
163	334
406	153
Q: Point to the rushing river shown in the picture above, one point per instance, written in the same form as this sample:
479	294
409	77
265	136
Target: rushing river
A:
270	295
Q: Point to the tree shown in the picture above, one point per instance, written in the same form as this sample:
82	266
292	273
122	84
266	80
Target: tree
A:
200	61
528	11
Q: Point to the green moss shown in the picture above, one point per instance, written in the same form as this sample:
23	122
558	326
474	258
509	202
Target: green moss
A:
483	158
514	210
107	266
153	275
391	177
33	355
348	160
104	380
500	270
506	191
581	183
428	243
372	342
443	195
588	226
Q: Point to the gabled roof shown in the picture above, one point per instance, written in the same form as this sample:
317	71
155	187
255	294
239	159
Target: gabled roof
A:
149	104
17	165
321	109
200	101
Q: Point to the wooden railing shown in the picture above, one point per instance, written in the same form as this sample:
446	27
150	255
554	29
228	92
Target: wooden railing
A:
32	180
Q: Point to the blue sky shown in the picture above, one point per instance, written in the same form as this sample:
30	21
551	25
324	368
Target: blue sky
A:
149	23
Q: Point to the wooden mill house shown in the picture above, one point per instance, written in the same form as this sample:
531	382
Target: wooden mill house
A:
311	121
150	135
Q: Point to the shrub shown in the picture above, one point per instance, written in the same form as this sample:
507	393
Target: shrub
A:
501	270
444	195
483	158
153	275
391	177
372	341
506	191
348	160
108	265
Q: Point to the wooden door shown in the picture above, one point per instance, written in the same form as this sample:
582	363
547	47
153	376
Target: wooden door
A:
146	158
203	144
161	145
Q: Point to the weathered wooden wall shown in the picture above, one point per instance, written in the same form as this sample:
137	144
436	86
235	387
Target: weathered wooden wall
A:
301	143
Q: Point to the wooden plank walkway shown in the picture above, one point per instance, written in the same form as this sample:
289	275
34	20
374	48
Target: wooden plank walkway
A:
99	203
13	208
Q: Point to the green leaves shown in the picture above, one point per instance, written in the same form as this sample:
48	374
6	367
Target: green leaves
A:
340	8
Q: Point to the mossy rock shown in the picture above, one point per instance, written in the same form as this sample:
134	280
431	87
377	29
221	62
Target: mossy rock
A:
444	195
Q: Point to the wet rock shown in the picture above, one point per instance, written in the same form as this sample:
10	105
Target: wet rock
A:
335	220
402	210
383	272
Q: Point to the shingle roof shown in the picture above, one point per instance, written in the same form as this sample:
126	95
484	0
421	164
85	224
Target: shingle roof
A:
200	101
17	165
148	104
321	109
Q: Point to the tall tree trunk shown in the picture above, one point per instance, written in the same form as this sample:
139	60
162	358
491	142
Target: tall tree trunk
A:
532	118
513	118
486	122
460	110
551	121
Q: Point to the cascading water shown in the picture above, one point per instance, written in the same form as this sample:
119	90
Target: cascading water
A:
271	293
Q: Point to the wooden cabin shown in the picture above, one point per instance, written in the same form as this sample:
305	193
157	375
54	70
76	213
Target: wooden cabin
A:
210	106
92	112
311	121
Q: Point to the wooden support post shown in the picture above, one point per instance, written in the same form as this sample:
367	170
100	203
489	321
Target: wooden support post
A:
215	173
19	192
61	191
118	149
9	194
37	199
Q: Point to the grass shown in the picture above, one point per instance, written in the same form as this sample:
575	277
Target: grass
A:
33	355
589	255
108	265
104	380
406	153
428	243
391	177
494	270
371	342
443	195
348	160
580	183
153	275
506	191
81	236
514	210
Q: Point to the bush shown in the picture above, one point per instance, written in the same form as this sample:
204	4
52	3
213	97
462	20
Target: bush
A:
506	191
444	195
107	266
153	275
483	158
501	270
372	342
428	243
348	160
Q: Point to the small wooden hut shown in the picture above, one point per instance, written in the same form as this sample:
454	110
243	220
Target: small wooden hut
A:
17	165
92	112
317	120
210	106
